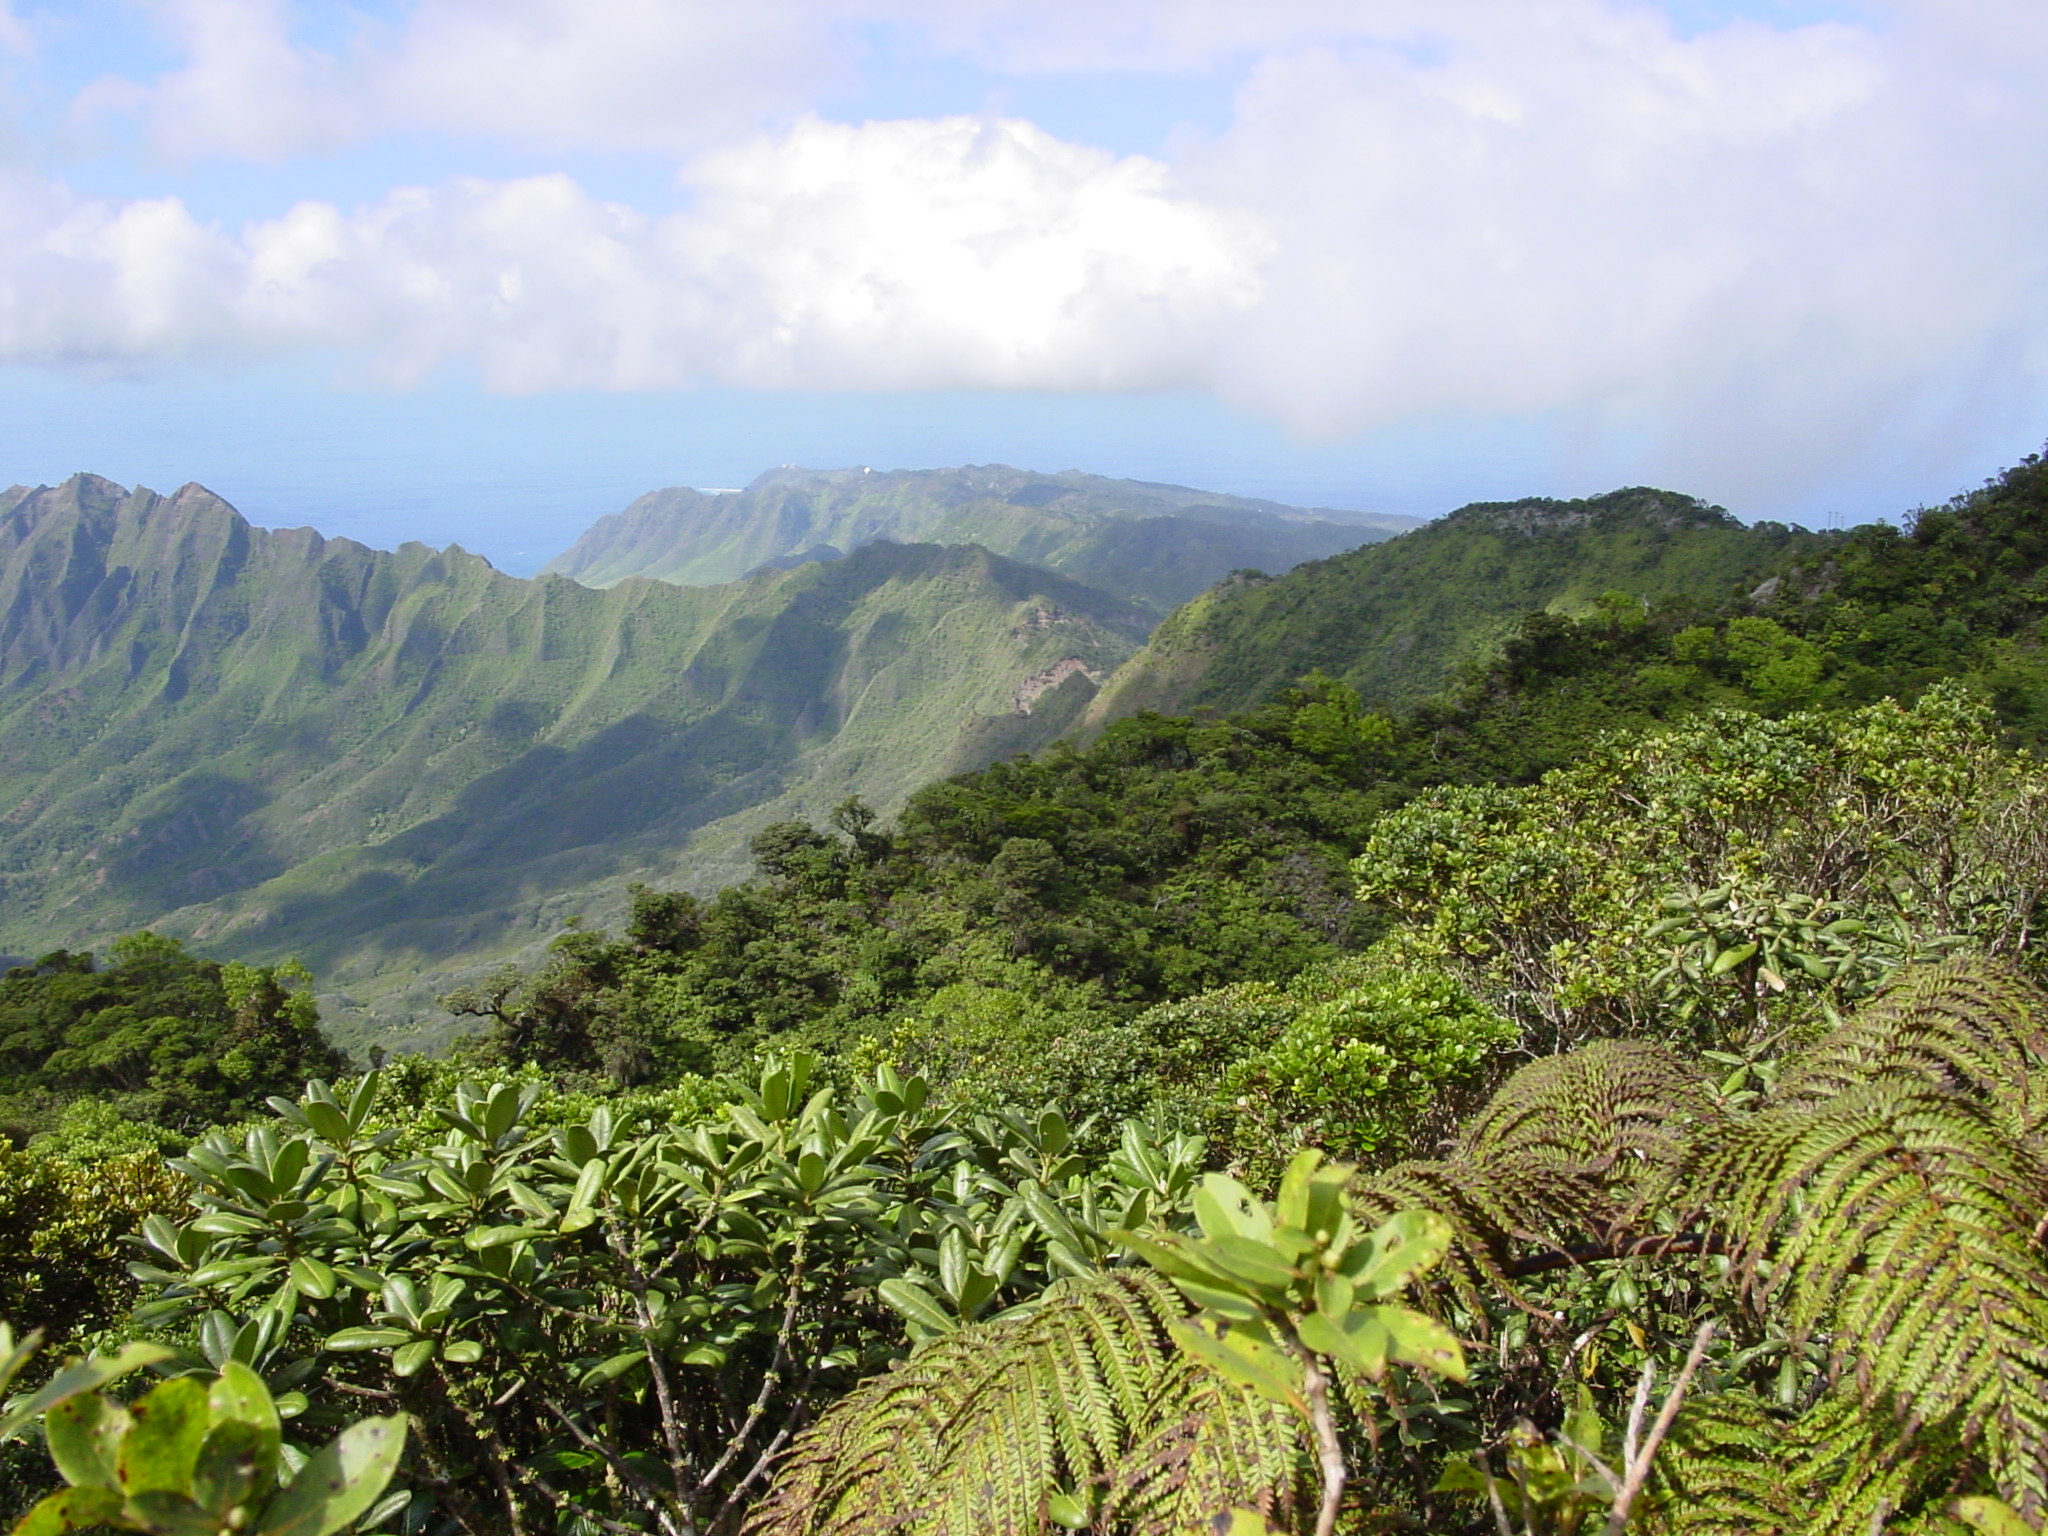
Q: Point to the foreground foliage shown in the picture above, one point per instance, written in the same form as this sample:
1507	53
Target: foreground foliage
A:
1851	1263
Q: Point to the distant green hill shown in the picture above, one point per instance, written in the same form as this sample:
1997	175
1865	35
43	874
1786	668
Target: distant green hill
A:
1157	545
1396	619
395	764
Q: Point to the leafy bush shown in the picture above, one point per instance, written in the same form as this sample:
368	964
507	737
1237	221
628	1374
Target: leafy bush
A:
625	1328
1739	877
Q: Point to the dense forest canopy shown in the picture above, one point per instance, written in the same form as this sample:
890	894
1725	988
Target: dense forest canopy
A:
1604	1095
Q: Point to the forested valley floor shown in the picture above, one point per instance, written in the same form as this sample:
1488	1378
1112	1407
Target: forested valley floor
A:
1610	1093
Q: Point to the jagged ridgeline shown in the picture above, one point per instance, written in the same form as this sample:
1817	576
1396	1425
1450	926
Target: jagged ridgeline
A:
1156	545
390	763
1395	620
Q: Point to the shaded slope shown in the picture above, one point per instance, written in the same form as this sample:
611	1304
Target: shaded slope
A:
1157	545
1394	620
276	741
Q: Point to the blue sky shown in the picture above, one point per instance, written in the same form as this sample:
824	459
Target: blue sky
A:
482	270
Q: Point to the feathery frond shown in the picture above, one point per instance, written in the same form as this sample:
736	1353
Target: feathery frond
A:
1086	1399
1586	1109
1888	1208
1561	1155
1733	1466
1966	1026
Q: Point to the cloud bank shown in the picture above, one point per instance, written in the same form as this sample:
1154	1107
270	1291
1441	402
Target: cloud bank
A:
1779	242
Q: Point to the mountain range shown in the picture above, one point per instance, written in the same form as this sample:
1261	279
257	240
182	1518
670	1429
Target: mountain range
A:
1156	545
267	740
405	766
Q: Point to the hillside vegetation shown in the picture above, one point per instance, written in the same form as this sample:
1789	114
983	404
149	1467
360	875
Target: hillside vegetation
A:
1602	1096
283	743
1396	620
1154	545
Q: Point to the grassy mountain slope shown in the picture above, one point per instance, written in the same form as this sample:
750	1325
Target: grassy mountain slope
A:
1395	620
387	762
1157	545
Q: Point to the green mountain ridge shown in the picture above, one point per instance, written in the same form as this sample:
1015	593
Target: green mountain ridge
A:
1395	620
399	763
1156	545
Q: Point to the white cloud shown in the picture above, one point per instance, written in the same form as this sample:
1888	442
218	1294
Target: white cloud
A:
1763	245
554	74
908	254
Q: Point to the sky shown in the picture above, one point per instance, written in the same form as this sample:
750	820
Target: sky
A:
483	270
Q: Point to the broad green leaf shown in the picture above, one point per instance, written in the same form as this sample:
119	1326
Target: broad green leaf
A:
463	1352
975	1291
953	1262
367	1338
1293	1204
581	1211
1065	1509
240	1394
407	1359
84	1434
78	1377
312	1277
1333	1295
1358	1340
480	1238
1399	1249
1252	1265
233	1466
1227	1301
501	1112
326	1120
1225	1207
163	1513
162	1443
338	1482
1993	1517
360	1101
1249	1362
916	1304
1172	1257
71	1509
1728	959
1422	1341
618	1365
810	1173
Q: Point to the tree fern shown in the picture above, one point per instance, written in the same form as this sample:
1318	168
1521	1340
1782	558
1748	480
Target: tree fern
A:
1556	1164
1964	1027
1890	1204
1736	1467
1085	1408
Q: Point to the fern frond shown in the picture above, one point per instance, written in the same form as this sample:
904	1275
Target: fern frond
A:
1609	1100
1900	1224
1562	1154
1967	1025
1735	1467
1224	1452
1886	1205
976	1432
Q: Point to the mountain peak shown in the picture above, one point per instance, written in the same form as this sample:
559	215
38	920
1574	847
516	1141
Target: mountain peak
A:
1641	505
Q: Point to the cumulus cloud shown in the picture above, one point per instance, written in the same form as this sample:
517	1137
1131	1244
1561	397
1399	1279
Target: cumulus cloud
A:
902	254
1760	244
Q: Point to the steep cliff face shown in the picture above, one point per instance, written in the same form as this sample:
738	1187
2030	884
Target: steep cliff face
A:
392	761
1396	619
1156	545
